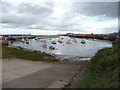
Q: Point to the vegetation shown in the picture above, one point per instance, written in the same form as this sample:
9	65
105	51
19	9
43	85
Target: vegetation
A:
25	54
102	71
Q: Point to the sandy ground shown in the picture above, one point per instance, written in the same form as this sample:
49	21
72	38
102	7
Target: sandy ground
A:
18	73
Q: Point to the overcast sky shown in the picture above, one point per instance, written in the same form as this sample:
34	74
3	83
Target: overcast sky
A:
38	17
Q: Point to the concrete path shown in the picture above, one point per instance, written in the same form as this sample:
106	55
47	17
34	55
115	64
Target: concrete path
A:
19	73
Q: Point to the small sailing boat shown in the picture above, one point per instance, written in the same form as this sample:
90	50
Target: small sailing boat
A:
75	40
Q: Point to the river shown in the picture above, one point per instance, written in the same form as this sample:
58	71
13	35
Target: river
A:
75	49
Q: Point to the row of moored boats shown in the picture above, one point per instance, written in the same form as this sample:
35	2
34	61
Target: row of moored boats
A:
44	45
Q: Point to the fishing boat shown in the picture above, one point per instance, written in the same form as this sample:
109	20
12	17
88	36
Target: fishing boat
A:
83	41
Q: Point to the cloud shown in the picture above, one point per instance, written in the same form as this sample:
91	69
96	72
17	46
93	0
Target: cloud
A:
5	7
35	9
27	14
107	9
96	17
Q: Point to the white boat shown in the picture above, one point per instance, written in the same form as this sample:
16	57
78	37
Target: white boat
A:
23	40
36	38
40	38
43	40
74	40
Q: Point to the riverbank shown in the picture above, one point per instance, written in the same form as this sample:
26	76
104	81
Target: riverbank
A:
8	52
20	69
102	71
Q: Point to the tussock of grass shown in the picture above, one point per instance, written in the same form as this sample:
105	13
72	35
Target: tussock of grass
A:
102	71
28	55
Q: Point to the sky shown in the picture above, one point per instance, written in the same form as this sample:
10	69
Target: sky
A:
40	17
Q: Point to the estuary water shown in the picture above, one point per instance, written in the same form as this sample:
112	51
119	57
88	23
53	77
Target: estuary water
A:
74	49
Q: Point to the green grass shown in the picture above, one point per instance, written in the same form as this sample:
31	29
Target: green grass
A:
102	71
28	55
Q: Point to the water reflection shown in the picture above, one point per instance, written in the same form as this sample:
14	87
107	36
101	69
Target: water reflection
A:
74	49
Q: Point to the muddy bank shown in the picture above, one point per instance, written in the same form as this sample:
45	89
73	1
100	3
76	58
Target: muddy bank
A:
71	58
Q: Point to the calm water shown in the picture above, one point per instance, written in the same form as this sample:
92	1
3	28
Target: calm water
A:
74	49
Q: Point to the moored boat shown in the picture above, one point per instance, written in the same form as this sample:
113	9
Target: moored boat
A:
68	42
52	48
53	42
83	41
59	41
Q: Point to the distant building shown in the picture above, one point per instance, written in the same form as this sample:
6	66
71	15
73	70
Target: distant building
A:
69	33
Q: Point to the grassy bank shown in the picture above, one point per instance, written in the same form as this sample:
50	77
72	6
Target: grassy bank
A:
28	55
102	71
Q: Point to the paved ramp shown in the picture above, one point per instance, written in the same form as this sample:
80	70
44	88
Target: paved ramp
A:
28	74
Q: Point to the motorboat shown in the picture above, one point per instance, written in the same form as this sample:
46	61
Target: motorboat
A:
26	39
36	38
68	42
44	45
40	38
43	40
53	42
94	39
62	38
83	41
27	42
59	41
23	40
52	48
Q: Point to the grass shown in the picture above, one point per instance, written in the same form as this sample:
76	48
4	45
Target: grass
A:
102	71
25	54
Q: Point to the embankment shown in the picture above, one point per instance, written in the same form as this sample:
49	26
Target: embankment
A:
103	69
8	52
